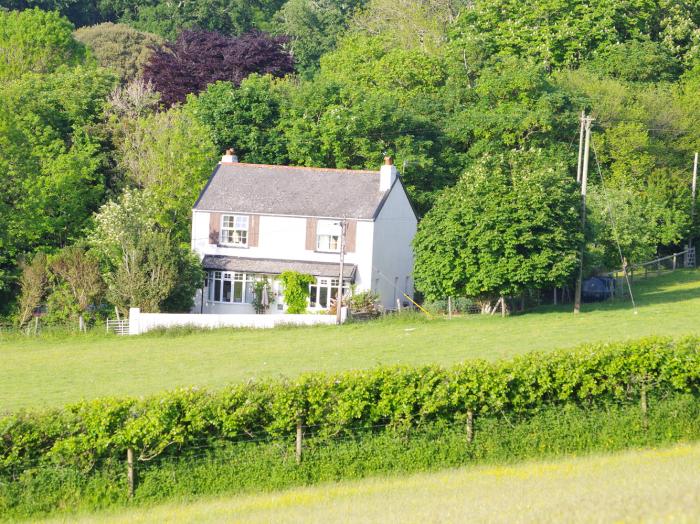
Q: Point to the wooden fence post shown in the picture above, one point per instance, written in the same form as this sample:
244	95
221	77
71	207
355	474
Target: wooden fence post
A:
449	308
470	426
130	471
300	437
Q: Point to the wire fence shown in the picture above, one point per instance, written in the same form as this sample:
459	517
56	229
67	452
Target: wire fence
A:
663	265
290	447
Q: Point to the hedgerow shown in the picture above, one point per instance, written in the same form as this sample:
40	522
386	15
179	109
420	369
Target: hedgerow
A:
90	434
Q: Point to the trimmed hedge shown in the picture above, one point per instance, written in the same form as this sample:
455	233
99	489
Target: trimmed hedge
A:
89	434
262	466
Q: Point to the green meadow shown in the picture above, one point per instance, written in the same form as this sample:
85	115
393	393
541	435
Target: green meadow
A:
51	370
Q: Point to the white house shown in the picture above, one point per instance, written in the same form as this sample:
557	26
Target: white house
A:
256	221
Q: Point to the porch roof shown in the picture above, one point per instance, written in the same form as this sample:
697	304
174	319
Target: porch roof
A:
269	266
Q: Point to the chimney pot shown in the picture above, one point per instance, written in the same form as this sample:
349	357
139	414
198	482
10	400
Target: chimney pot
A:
229	156
387	174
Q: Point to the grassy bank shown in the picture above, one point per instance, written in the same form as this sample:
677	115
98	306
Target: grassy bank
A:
636	486
54	370
265	466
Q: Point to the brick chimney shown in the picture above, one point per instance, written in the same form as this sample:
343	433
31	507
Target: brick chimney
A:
387	174
229	157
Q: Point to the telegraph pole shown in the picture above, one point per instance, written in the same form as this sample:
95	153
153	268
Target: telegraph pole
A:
339	296
692	209
580	146
584	184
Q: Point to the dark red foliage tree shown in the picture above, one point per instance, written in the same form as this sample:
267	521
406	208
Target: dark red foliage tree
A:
198	58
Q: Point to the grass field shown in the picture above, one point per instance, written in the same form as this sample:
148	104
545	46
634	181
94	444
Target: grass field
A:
640	486
53	370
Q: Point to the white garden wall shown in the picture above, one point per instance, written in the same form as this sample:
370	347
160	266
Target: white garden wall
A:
143	322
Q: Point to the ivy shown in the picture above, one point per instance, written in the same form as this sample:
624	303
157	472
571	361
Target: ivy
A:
296	290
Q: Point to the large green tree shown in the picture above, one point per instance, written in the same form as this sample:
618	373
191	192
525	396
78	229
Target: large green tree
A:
142	263
313	28
513	104
119	47
171	154
565	33
51	162
36	41
511	223
246	118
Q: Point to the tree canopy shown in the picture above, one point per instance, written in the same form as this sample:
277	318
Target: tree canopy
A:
119	47
146	100
36	41
199	58
509	224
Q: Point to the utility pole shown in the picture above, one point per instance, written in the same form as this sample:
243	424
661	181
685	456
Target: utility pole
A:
580	146
339	296
584	184
692	209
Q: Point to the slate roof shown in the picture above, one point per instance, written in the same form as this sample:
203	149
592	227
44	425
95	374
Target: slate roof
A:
275	267
288	190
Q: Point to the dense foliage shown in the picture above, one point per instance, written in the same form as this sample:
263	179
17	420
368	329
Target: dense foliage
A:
398	398
441	85
199	58
245	466
35	41
508	225
119	47
296	290
144	265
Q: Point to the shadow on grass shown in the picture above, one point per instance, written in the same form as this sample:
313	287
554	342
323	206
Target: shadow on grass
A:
679	286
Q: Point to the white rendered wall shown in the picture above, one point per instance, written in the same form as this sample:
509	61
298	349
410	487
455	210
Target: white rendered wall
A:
394	230
143	322
283	237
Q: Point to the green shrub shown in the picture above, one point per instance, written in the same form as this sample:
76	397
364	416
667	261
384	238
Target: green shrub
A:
365	302
91	432
256	466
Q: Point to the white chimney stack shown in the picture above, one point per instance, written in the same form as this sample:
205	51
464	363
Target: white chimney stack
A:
229	157
387	174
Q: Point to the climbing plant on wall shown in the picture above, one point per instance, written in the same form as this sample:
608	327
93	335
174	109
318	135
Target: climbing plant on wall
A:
296	290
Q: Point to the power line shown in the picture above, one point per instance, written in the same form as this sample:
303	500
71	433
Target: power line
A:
614	227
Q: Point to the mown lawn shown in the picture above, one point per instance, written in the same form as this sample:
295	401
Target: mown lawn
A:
53	370
660	485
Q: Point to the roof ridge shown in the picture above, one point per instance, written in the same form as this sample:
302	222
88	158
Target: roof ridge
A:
366	171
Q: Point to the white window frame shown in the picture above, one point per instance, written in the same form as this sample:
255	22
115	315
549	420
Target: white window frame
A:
325	287
240	287
237	226
328	236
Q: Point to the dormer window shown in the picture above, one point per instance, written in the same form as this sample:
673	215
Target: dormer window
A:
328	236
234	230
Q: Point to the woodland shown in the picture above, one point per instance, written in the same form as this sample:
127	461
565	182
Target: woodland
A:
113	114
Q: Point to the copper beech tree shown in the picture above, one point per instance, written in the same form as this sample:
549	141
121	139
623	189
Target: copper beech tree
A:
199	58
